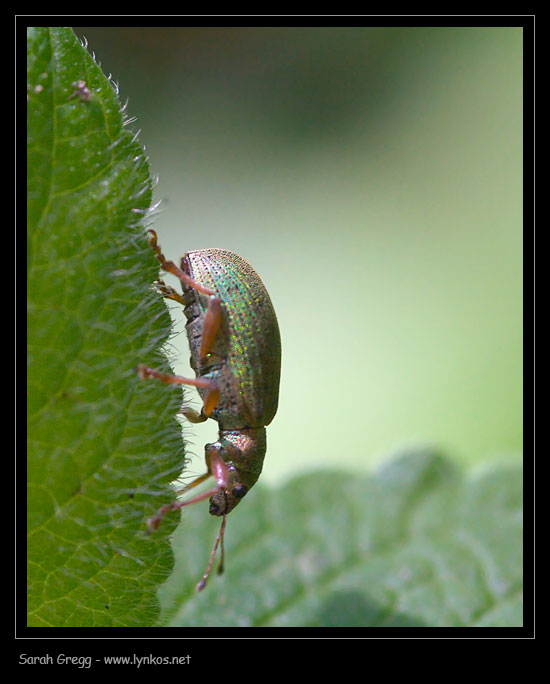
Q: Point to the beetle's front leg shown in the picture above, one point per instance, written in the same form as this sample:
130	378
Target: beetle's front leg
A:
217	467
212	398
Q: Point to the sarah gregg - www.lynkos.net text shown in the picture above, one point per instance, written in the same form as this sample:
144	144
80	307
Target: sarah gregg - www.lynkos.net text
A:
85	662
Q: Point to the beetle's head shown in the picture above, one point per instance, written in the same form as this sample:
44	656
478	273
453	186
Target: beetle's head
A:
243	453
225	500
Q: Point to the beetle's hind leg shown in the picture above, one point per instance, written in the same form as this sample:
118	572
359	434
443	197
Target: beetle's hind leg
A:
169	292
170	266
213	316
211	325
194	416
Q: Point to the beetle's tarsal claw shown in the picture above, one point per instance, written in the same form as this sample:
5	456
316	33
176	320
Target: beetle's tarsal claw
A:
153	524
142	371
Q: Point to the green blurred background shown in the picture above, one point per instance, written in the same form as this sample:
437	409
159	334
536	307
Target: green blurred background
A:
373	178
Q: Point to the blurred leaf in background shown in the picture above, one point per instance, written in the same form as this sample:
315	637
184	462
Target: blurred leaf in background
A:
415	545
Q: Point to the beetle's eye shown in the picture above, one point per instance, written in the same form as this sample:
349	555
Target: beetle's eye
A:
239	491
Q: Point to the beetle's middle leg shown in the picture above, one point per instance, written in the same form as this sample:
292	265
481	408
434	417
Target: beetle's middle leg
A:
212	398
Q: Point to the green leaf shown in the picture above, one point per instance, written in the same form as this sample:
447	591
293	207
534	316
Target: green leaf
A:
102	445
416	544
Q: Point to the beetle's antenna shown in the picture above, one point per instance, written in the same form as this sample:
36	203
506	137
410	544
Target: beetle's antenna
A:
222	559
219	538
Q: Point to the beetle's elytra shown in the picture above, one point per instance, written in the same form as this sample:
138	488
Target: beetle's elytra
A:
236	355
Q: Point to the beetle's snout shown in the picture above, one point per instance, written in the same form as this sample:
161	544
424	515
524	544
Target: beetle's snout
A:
225	501
218	504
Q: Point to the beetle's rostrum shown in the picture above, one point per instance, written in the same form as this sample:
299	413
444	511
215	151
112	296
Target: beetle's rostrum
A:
235	349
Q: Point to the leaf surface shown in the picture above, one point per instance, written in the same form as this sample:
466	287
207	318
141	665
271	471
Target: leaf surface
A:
102	445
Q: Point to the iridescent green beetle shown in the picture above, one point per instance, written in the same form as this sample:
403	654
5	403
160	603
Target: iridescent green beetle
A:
236	355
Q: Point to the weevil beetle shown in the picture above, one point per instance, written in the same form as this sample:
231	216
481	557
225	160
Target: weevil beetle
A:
235	348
